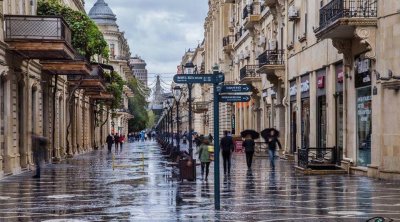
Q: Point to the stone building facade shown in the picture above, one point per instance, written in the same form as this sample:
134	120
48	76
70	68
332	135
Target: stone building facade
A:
120	55
138	67
324	77
41	95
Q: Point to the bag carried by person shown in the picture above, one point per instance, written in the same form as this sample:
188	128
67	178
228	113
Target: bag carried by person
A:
211	152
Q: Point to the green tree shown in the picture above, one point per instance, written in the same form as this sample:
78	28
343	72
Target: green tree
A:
151	119
86	36
137	107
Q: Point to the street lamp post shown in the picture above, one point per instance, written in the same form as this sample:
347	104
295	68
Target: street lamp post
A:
189	68
112	127
177	96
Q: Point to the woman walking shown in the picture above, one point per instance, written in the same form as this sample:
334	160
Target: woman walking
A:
249	145
204	156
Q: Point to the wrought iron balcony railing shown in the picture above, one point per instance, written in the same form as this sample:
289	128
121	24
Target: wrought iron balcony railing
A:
230	39
36	28
239	34
247	10
337	9
249	71
272	57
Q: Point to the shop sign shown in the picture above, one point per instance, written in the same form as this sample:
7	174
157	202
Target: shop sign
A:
293	90
364	108
321	82
305	86
363	73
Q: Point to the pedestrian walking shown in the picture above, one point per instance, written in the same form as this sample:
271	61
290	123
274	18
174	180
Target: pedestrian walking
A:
39	144
121	141
109	141
204	157
116	141
227	148
249	145
272	142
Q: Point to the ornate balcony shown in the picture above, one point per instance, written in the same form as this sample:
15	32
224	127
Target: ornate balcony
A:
100	96
248	74
38	37
227	43
200	107
272	63
66	67
251	16
339	19
229	1
94	83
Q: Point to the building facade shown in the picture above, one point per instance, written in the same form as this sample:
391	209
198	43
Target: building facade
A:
41	91
138	66
323	73
105	19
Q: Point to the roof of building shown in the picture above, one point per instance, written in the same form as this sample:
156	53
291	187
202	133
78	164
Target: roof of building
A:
102	14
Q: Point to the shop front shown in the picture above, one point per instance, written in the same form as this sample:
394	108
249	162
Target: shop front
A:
293	116
339	74
321	108
364	110
305	111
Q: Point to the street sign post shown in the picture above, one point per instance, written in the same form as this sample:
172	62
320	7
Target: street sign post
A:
233	98
215	78
199	78
235	88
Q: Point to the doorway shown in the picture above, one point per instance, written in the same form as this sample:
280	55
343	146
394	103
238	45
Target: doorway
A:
321	122
21	126
305	123
339	126
293	128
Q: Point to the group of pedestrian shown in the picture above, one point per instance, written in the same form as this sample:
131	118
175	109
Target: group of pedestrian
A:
116	139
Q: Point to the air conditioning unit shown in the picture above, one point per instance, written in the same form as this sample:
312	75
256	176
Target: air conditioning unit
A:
293	13
272	44
261	40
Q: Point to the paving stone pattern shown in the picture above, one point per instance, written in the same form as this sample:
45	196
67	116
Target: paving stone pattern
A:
86	188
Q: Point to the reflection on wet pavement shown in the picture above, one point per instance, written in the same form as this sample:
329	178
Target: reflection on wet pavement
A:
86	188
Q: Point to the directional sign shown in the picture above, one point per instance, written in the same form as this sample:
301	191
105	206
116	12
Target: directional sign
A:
233	98
199	78
235	88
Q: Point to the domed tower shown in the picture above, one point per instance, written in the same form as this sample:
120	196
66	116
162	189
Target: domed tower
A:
102	14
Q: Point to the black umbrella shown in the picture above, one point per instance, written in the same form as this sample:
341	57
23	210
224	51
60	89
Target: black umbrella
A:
266	134
252	133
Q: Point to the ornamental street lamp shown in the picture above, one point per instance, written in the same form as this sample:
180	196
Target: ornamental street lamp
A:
189	68
171	119
177	91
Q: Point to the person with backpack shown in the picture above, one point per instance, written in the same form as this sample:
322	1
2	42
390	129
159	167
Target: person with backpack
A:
227	147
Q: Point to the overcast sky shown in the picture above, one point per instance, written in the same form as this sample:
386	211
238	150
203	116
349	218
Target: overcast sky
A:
159	30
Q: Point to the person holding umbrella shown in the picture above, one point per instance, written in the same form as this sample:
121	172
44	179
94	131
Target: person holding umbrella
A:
249	145
271	137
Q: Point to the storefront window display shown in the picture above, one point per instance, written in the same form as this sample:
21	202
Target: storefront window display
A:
321	108
293	116
305	111
364	110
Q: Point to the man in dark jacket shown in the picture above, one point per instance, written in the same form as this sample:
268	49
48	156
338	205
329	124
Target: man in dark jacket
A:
116	141
110	141
39	144
272	142
227	148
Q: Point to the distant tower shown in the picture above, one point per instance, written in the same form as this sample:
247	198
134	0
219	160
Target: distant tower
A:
138	67
158	97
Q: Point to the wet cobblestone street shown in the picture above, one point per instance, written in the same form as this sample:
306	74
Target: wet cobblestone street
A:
86	188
